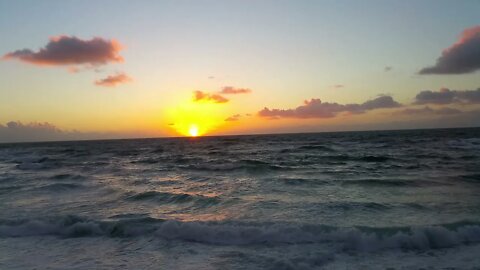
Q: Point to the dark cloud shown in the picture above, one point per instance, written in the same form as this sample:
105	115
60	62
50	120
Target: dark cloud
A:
113	80
200	96
447	96
232	90
315	108
387	68
460	58
70	50
428	110
232	118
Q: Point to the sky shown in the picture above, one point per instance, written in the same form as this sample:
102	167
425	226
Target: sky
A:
125	69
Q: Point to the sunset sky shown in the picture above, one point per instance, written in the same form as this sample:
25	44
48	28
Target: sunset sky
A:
122	69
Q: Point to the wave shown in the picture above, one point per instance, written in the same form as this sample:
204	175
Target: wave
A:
390	183
363	239
252	166
58	187
43	163
65	176
474	178
167	197
316	147
303	181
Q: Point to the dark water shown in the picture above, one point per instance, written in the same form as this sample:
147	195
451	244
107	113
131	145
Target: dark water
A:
358	200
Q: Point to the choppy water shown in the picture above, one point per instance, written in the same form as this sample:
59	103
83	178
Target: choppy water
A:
359	200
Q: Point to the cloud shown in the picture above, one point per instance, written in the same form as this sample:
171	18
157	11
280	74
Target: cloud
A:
428	110
315	108
15	131
227	90
460	58
447	96
70	50
200	96
232	118
387	68
113	80
18	132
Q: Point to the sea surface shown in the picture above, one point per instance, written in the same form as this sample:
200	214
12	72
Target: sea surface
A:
351	200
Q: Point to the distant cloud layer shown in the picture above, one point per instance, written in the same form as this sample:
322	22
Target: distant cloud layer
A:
447	96
113	80
428	110
315	108
199	96
232	90
70	50
460	58
16	131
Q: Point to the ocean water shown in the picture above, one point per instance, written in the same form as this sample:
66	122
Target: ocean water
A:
353	200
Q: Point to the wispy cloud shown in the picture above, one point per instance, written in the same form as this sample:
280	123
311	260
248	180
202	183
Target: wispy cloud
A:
233	118
447	96
200	96
70	50
315	108
460	58
338	86
114	80
229	90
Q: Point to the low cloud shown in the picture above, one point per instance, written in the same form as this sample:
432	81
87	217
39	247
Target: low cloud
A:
460	58
315	108
229	90
199	96
70	50
233	118
113	80
447	96
17	132
428	110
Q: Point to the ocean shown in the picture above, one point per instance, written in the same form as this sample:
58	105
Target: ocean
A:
347	200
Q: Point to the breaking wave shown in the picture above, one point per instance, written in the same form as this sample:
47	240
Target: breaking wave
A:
362	239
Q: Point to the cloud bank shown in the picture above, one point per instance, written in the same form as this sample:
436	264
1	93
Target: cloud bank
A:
70	50
447	96
428	111
113	80
200	96
460	58
17	132
315	108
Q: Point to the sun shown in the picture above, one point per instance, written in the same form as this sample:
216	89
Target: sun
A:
193	130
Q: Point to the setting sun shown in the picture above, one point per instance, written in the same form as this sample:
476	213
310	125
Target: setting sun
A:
193	131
